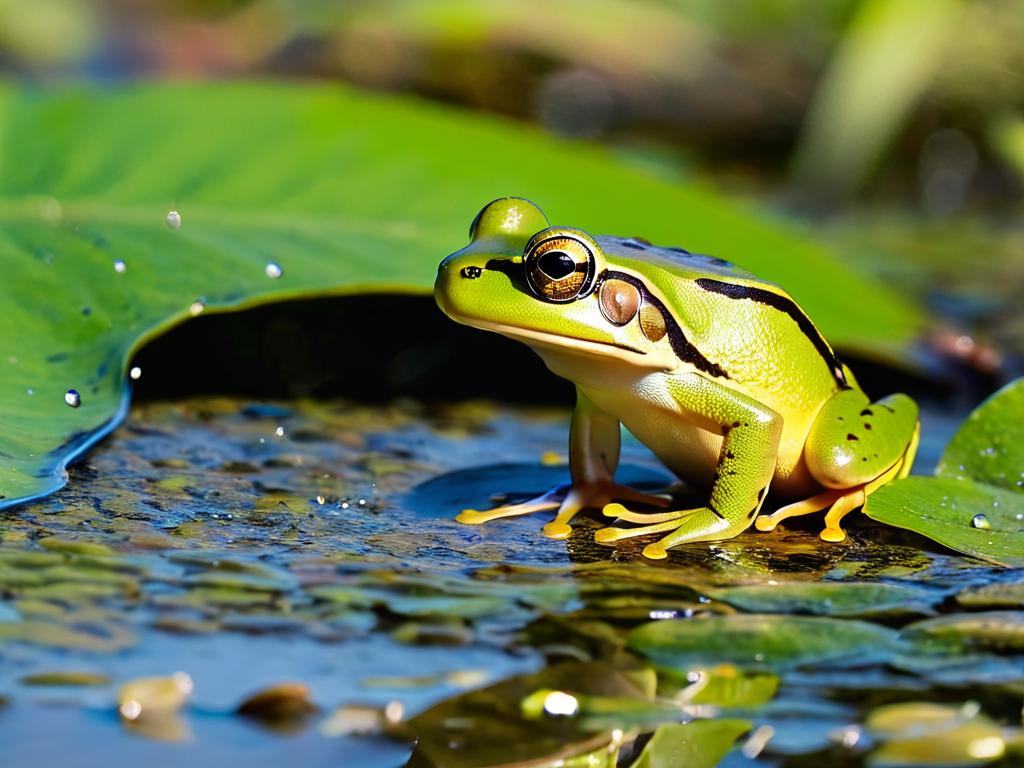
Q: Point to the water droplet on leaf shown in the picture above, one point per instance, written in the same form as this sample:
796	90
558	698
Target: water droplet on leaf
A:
119	265
273	270
72	398
135	373
173	219
196	308
980	522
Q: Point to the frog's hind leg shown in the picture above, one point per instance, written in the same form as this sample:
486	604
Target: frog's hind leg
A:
854	448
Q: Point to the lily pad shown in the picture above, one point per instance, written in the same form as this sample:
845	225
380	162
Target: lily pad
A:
126	211
753	641
697	744
975	504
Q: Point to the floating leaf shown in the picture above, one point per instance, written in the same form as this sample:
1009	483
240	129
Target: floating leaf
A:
728	686
927	734
998	595
487	727
828	598
976	503
698	744
759	641
1000	631
326	184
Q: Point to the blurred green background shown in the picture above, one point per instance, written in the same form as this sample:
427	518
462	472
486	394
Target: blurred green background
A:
894	128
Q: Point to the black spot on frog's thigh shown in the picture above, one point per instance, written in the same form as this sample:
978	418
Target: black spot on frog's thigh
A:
866	425
867	412
851	436
730	455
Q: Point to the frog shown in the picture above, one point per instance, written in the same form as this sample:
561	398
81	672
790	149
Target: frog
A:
718	372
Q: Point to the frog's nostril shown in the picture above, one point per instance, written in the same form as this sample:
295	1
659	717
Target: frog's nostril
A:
471	273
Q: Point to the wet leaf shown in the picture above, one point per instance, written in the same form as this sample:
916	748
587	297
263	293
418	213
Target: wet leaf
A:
759	642
999	631
75	547
998	595
975	505
487	727
728	686
65	677
697	744
829	598
320	190
98	637
989	446
927	734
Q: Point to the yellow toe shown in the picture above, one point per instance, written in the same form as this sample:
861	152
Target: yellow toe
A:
613	510
557	531
834	535
470	517
765	523
655	552
607	535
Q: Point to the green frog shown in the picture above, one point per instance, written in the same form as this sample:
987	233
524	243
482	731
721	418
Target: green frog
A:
718	372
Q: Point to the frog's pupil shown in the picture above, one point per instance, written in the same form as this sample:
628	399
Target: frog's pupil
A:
556	264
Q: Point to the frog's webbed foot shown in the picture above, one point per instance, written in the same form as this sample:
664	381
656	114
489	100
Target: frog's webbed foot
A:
689	525
840	503
569	501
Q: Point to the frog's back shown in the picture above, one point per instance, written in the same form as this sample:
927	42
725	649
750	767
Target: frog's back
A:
678	262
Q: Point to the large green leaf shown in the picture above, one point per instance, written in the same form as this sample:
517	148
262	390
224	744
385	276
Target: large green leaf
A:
975	505
345	191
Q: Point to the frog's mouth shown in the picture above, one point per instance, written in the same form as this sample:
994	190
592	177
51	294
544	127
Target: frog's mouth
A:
556	340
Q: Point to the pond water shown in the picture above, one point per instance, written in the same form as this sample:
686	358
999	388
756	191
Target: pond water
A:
252	544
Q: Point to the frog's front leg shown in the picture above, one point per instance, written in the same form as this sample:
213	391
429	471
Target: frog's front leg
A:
746	463
594	440
854	448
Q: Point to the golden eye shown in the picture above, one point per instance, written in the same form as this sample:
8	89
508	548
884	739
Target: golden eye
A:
560	268
619	301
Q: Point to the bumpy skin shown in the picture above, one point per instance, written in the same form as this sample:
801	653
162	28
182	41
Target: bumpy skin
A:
718	372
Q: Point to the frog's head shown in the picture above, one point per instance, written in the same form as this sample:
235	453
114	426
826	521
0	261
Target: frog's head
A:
552	288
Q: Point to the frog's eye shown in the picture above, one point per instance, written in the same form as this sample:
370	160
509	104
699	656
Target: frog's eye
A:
560	268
